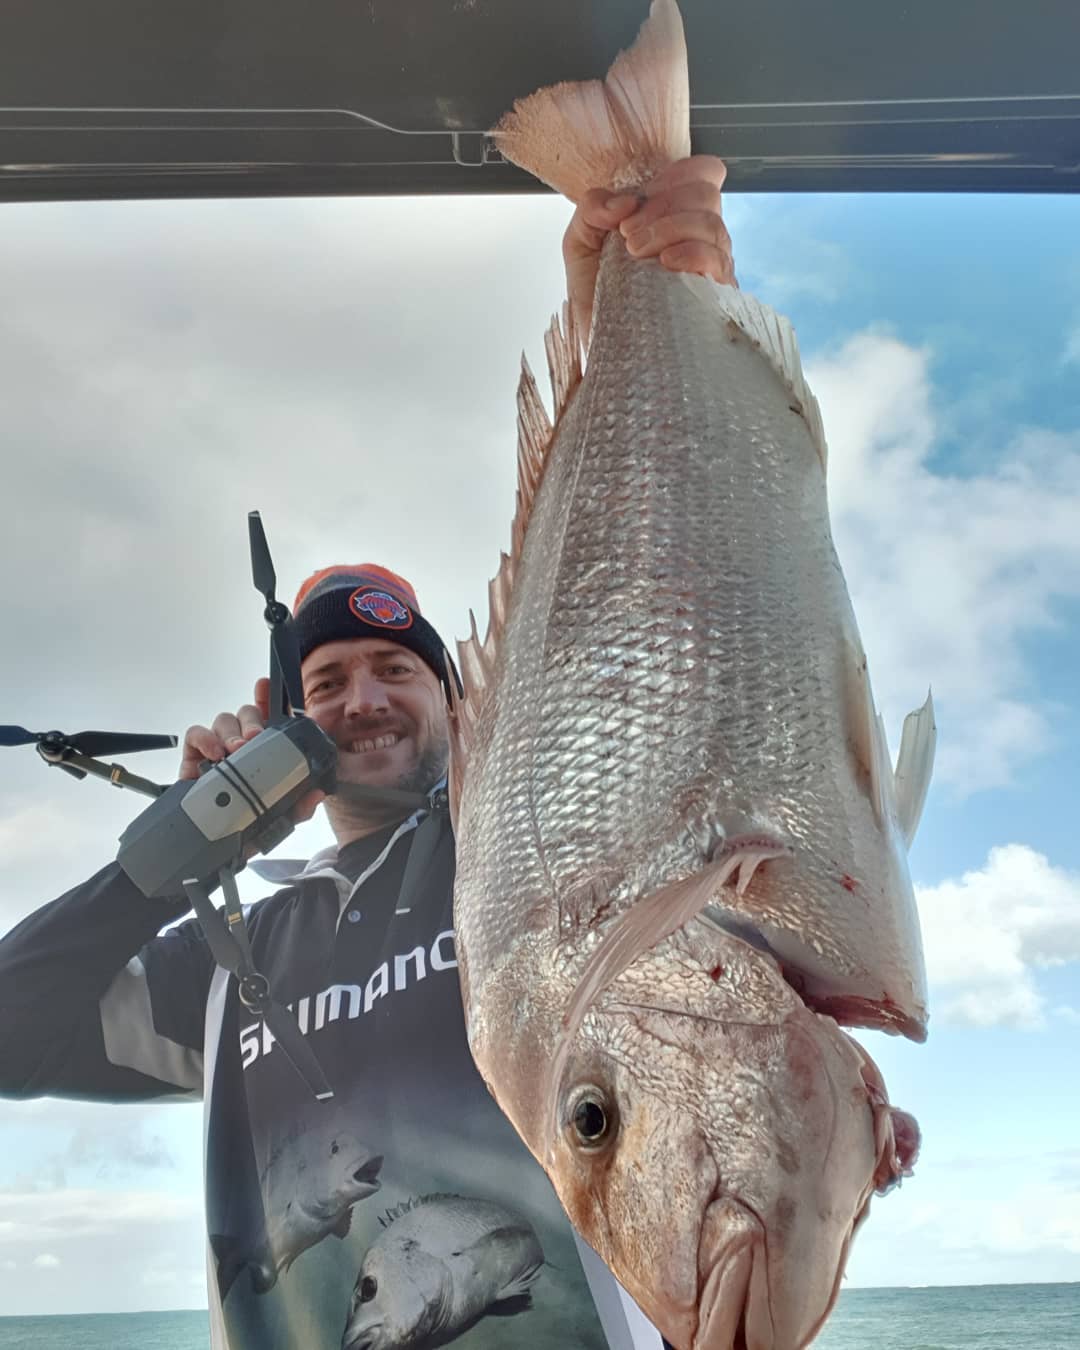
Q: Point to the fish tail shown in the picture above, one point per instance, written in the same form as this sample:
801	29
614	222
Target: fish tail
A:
617	133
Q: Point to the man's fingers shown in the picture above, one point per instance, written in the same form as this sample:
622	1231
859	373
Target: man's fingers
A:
596	214
702	259
200	743
227	732
233	729
226	727
696	196
688	227
251	722
262	697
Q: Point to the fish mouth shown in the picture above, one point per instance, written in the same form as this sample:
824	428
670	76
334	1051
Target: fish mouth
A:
366	1177
363	1338
732	1238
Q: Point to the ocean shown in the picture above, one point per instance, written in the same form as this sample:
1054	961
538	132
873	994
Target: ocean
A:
976	1317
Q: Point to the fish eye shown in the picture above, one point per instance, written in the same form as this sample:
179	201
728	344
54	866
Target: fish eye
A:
369	1287
593	1118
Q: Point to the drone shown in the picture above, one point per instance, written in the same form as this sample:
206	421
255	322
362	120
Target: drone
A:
197	835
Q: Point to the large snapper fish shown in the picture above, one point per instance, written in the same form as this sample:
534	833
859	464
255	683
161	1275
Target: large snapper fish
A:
680	838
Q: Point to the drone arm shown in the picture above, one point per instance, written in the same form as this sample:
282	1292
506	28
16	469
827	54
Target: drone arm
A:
80	765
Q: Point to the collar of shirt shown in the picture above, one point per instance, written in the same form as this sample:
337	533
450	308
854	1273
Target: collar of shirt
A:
286	871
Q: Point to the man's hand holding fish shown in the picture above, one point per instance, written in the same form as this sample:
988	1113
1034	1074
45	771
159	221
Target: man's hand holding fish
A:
676	218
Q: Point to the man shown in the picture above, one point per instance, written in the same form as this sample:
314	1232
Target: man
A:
403	1212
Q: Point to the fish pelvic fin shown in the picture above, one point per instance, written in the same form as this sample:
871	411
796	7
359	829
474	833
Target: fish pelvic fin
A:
615	133
915	765
477	658
521	1284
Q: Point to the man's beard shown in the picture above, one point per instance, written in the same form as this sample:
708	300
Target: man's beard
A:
361	801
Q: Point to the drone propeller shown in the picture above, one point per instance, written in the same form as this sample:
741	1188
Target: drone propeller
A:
19	736
86	742
285	651
118	742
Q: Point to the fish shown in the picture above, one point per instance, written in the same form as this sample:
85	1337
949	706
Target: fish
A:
312	1179
440	1264
681	845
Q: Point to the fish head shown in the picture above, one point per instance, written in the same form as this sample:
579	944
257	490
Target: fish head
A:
401	1297
717	1144
352	1170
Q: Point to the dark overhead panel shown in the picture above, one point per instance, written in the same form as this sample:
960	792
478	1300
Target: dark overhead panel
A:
165	98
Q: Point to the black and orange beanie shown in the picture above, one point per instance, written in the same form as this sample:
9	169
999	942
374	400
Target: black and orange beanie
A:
366	601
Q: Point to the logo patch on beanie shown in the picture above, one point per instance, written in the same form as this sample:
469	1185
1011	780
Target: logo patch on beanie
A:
379	607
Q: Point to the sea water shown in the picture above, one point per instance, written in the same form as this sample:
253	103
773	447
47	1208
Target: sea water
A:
977	1317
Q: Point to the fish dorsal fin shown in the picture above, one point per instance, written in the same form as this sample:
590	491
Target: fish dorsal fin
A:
536	432
774	337
915	765
414	1202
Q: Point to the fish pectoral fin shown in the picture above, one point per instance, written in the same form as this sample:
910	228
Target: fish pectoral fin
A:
915	765
657	916
520	1287
650	921
341	1228
741	857
866	732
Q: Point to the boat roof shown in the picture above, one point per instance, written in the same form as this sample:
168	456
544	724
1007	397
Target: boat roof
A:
124	98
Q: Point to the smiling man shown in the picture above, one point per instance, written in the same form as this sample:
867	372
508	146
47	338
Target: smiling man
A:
374	676
404	1211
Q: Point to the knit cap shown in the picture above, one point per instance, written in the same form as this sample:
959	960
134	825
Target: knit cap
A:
366	601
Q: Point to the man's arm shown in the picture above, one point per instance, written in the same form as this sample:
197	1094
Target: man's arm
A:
93	1004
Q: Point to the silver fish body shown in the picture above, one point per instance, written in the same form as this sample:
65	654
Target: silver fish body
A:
680	670
441	1263
641	710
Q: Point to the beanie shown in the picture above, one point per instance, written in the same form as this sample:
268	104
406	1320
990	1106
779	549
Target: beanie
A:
366	601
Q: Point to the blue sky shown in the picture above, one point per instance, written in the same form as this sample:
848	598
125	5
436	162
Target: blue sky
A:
171	365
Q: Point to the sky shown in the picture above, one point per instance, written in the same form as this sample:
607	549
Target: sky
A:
348	367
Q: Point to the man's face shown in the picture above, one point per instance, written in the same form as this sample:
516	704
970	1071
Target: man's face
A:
383	708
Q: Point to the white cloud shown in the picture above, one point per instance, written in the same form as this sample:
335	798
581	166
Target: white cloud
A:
1072	348
950	575
48	1215
988	933
1037	1216
103	1240
999	1219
